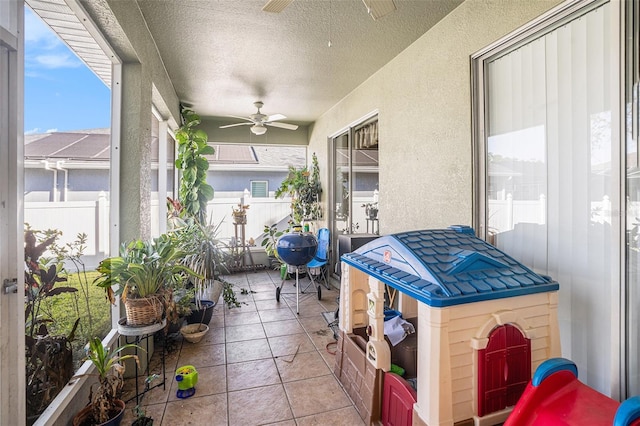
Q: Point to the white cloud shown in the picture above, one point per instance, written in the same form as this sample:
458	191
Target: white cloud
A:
38	34
51	131
32	131
44	50
60	60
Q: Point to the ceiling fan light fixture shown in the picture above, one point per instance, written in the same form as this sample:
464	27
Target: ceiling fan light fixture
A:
258	129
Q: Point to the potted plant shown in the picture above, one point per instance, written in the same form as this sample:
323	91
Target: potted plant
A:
49	356
105	407
207	256
269	243
140	275
303	186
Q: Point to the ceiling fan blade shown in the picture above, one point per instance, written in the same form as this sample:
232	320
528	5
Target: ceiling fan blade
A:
276	117
276	6
283	125
234	125
237	116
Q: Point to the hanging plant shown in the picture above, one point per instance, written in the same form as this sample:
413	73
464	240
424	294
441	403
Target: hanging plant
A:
194	191
303	186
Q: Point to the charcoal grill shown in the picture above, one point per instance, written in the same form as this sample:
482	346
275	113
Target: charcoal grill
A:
296	249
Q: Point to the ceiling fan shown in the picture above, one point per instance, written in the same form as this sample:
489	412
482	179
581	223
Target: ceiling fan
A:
258	121
375	8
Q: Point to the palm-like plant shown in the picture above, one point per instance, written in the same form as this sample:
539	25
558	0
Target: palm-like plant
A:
142	269
110	370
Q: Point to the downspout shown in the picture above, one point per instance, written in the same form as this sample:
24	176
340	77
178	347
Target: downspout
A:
47	166
59	165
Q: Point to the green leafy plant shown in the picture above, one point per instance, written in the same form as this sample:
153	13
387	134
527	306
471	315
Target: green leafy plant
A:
110	370
194	190
269	243
49	357
304	188
142	269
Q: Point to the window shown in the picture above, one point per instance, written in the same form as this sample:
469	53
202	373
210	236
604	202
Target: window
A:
546	168
259	189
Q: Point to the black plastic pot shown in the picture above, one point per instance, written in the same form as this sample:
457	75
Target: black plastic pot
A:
196	316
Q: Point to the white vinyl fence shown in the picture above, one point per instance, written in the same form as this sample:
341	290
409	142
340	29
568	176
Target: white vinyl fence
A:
92	218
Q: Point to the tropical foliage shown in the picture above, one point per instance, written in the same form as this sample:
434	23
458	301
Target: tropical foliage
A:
194	190
304	188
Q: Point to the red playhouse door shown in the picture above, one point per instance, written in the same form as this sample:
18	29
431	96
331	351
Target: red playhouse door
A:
398	398
504	369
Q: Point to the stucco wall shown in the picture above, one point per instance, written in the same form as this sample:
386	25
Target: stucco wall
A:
424	101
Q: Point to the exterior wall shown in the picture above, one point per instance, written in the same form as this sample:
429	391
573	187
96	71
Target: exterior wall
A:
423	98
449	339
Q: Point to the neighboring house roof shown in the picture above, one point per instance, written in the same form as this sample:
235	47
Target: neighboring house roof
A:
89	146
446	267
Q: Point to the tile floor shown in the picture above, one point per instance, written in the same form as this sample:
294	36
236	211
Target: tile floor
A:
258	364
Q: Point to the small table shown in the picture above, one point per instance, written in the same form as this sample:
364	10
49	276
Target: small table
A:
136	335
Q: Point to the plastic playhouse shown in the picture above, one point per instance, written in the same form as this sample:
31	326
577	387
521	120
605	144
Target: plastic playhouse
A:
482	322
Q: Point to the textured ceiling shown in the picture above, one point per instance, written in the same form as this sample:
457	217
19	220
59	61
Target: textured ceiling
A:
223	55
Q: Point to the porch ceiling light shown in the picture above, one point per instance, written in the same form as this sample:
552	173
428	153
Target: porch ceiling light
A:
258	129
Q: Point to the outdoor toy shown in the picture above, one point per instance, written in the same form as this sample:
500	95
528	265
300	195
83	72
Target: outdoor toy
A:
555	396
187	377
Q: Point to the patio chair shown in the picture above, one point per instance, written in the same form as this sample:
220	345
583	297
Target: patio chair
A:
317	268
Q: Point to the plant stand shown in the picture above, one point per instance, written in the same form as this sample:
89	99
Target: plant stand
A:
137	335
241	251
375	226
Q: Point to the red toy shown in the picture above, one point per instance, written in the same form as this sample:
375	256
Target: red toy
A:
555	396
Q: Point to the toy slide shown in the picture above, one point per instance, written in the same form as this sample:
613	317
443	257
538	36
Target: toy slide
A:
555	397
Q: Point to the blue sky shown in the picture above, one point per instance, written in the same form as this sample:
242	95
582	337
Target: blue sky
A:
60	92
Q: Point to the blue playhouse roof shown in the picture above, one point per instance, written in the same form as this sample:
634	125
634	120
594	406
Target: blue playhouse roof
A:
446	267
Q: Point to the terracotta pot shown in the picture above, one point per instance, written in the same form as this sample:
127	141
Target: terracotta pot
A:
85	418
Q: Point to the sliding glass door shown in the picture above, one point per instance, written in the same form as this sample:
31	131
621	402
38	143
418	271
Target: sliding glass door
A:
550	187
354	188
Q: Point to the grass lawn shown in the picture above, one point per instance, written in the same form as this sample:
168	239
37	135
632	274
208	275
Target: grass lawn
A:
88	303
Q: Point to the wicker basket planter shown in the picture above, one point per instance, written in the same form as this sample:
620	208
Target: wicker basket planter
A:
143	311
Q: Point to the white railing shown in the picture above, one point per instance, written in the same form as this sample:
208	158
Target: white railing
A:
92	218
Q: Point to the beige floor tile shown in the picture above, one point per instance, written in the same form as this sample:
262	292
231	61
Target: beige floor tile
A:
244	307
217	320
258	406
316	395
263	287
276	315
202	355
303	366
265	295
211	381
213	336
204	410
343	417
252	374
290	344
243	318
248	350
282	328
244	332
270	304
314	323
312	310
